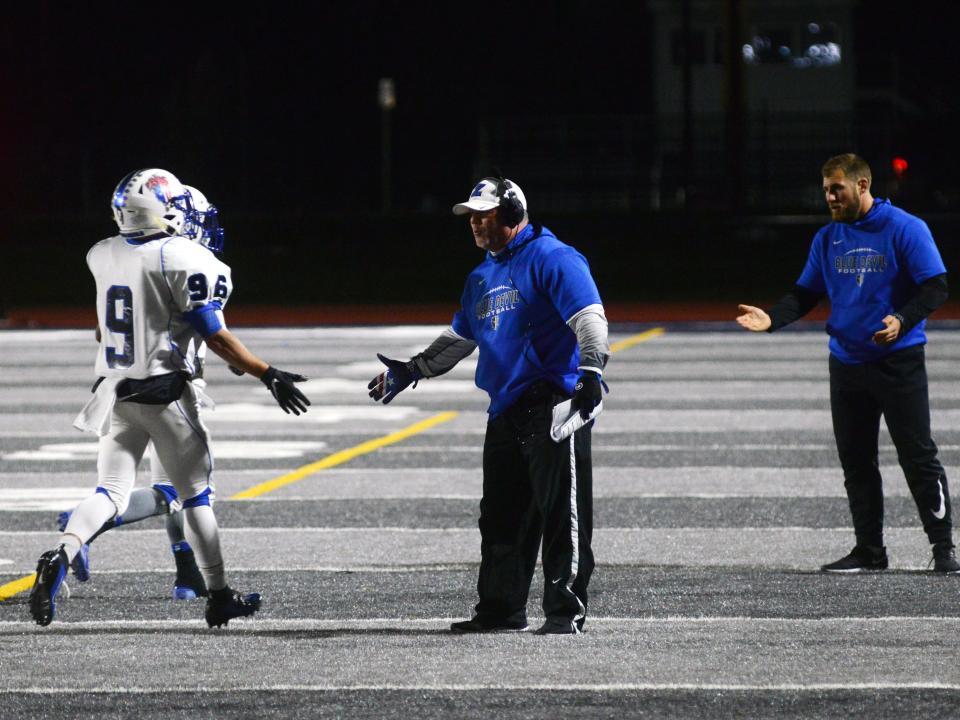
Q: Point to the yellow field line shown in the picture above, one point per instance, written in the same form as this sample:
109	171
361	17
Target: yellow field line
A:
637	339
338	458
17	586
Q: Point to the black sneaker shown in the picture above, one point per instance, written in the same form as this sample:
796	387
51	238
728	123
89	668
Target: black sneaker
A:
51	570
559	626
225	605
482	624
945	559
860	559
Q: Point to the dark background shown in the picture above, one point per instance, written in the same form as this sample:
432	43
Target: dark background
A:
273	112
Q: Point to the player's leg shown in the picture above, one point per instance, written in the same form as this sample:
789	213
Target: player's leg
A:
503	583
188	583
118	455
143	503
856	427
906	408
182	445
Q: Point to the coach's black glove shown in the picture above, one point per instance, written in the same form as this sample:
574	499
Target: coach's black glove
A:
281	386
398	375
587	394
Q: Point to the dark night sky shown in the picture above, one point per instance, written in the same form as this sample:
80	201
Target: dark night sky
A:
277	105
288	97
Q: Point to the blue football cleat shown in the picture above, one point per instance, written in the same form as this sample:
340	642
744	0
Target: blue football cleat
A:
81	562
51	569
222	607
182	592
189	584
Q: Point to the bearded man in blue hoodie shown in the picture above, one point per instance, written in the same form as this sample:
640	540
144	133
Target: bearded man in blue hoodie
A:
883	274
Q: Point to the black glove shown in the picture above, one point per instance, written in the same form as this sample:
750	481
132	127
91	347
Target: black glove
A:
587	394
281	386
398	375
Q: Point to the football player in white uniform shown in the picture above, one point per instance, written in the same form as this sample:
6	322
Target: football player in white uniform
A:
201	225
159	297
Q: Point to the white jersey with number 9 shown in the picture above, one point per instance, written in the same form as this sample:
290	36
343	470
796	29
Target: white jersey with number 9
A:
144	289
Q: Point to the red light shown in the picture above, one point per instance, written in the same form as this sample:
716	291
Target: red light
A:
899	166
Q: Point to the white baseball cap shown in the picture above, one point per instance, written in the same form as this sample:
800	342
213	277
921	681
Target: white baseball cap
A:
484	197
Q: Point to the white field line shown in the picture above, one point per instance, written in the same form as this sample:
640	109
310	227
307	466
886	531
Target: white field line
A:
128	532
566	687
699	447
372	568
299	624
49	507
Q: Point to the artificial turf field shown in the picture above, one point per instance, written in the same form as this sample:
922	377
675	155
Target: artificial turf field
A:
717	496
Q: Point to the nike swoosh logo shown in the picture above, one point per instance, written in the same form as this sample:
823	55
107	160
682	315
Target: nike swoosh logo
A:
554	582
940	514
837	242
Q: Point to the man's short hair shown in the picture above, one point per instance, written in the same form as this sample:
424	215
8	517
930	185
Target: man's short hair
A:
851	165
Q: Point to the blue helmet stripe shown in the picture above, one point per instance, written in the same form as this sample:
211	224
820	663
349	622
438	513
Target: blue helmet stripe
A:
121	187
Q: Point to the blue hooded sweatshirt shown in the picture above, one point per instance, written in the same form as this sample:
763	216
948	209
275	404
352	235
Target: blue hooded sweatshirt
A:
516	305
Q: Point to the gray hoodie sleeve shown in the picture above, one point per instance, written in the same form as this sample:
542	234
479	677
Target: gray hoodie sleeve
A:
590	327
443	353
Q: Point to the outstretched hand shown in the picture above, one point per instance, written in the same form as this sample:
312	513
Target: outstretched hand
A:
392	381
281	386
753	318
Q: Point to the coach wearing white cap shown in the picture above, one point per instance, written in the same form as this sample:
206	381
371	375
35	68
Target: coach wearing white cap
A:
533	310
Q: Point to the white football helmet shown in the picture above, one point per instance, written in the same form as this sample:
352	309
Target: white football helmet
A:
203	222
151	201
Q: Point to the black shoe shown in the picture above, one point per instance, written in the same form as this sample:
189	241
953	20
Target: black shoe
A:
51	569
560	626
945	558
860	559
225	605
481	624
189	584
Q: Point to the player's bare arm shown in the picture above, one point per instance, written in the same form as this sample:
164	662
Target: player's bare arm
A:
280	384
228	347
753	318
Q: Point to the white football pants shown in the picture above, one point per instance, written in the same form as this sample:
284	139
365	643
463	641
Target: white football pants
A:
180	443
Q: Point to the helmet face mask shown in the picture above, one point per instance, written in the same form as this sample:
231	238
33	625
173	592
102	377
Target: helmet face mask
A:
150	202
202	221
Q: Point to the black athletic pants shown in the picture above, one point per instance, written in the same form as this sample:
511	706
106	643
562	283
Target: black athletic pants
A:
896	388
535	488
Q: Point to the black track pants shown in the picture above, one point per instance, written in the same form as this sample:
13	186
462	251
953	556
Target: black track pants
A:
896	388
534	488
